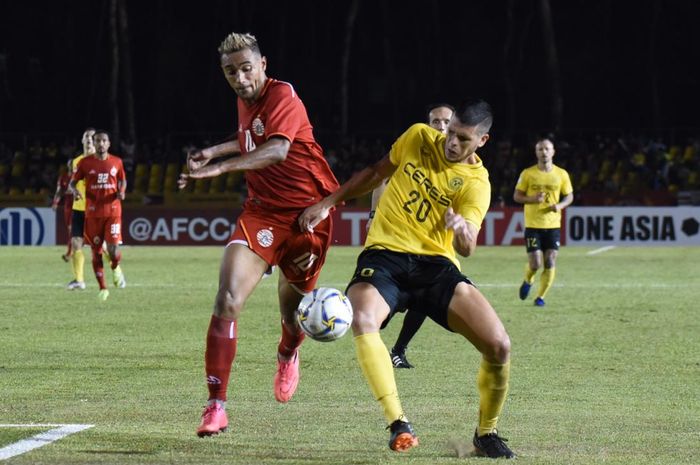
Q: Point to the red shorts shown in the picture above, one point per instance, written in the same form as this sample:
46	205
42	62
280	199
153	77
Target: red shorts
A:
277	239
103	229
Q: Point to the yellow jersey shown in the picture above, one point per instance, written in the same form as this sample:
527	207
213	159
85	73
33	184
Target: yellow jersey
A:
79	205
554	184
410	216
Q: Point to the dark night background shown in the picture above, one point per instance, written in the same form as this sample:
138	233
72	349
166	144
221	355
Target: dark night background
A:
627	67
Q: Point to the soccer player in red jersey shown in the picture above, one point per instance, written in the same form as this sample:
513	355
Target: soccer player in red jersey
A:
105	187
285	172
67	196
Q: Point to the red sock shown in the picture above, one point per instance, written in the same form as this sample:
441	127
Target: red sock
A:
98	267
292	337
114	261
222	339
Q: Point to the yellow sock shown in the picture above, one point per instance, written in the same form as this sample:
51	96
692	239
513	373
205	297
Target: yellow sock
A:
379	372
78	265
493	387
546	281
529	274
73	265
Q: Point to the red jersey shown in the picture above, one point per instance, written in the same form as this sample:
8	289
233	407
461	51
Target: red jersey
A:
102	178
304	177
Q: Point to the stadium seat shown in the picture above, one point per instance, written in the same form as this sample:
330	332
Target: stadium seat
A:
674	152
693	181
689	153
233	181
172	172
217	185
140	178
584	180
155	179
201	186
17	169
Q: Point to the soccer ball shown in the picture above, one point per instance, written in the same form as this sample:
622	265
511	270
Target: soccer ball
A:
324	314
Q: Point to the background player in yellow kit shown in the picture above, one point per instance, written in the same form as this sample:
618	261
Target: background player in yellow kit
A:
545	190
78	216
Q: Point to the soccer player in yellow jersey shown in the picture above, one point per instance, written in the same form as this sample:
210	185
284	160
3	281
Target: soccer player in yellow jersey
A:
431	210
438	117
78	216
545	190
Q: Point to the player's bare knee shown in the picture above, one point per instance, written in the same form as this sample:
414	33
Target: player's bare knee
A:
498	350
364	321
228	304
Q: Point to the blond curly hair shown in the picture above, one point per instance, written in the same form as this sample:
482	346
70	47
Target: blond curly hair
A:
235	42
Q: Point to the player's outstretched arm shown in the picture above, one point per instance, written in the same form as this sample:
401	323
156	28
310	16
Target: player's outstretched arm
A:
199	158
271	152
360	183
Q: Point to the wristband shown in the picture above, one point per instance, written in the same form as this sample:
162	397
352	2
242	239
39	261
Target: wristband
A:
371	214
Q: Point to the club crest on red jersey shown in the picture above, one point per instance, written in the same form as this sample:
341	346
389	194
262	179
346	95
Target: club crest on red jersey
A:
258	126
113	171
265	237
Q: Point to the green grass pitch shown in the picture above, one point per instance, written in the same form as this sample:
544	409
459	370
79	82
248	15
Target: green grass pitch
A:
607	373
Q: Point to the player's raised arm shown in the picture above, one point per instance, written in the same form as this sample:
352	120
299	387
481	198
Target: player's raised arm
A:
360	183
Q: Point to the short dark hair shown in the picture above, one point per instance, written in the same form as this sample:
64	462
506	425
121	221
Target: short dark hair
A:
102	131
475	112
433	106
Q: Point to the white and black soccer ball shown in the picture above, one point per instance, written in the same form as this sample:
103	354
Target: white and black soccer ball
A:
324	314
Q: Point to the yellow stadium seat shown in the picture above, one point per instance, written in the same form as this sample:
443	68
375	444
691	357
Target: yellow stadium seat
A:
584	180
689	153
140	178
693	180
674	151
233	181
172	172
217	185
201	186
155	179
17	169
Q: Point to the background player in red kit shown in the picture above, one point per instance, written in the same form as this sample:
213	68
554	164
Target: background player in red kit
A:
105	187
285	172
62	191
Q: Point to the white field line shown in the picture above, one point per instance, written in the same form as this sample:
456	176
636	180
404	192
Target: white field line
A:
600	250
38	440
272	284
